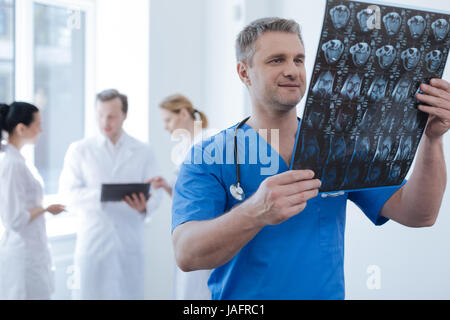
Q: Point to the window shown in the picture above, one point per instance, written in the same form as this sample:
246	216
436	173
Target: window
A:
7	51
59	85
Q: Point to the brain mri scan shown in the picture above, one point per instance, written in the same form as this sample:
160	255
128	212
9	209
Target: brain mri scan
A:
362	150
324	85
433	60
384	148
340	16
338	149
410	58
417	26
392	22
404	150
401	90
394	172
361	126
352	87
375	173
352	176
369	119
311	149
344	120
360	53
412	121
440	29
363	18
316	118
377	90
390	123
330	175
333	50
386	56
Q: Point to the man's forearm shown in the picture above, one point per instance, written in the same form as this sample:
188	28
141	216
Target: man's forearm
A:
417	204
212	243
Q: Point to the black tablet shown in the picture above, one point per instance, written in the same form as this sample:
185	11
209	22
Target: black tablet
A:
117	192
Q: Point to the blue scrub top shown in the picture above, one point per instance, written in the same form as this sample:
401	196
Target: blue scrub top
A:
302	258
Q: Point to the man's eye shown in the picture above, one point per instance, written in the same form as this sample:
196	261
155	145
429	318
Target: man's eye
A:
299	61
275	61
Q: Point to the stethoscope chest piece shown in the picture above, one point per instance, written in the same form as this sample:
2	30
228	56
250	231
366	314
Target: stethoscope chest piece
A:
237	192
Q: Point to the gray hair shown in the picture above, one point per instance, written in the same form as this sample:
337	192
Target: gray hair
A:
111	94
246	40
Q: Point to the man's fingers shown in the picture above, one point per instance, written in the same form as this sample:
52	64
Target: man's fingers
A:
296	209
292	176
131	200
298	187
299	198
135	198
434	101
128	201
438	112
58	207
441	84
435	91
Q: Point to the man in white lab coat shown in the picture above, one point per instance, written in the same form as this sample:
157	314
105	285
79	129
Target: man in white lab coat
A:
109	254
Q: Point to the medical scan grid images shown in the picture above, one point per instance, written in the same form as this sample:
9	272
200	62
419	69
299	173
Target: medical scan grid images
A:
361	126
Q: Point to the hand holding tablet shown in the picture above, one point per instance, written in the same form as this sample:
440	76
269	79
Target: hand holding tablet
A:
118	192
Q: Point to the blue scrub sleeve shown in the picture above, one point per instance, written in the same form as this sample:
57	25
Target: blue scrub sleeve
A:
372	201
198	193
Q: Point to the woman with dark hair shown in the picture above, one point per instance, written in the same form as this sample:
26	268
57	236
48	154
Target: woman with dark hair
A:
25	264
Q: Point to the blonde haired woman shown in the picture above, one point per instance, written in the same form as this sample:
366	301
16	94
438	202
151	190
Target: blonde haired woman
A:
183	120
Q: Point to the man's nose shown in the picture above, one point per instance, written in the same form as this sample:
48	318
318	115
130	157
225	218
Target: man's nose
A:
291	70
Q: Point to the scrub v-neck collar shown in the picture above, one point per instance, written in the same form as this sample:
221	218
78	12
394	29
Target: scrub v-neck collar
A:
284	163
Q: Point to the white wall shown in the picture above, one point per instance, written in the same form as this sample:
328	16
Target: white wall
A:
414	263
122	50
223	88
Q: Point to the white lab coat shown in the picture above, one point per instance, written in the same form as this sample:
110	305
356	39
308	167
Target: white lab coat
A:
109	254
190	285
25	263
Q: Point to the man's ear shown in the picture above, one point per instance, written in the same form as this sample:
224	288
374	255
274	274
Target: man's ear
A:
243	72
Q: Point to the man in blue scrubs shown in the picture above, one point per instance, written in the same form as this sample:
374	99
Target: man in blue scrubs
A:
283	241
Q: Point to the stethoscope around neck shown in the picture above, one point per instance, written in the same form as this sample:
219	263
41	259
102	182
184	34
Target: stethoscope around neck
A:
236	189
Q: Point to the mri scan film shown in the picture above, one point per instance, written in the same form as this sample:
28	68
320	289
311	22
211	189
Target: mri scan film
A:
361	127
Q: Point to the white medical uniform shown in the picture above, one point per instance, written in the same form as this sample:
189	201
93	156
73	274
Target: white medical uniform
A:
109	254
25	263
190	285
